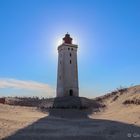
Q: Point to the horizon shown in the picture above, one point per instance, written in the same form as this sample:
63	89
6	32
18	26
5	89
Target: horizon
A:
107	34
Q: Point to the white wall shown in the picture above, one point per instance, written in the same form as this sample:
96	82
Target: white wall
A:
67	76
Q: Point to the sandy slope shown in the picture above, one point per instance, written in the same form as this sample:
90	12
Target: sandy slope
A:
128	114
116	110
13	118
117	121
25	123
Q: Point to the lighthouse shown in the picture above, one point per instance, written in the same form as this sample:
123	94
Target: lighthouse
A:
67	72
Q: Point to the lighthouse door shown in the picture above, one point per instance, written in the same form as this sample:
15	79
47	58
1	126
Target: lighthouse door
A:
71	92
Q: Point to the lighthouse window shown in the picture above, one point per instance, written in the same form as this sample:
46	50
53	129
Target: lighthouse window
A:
70	61
68	48
72	49
70	54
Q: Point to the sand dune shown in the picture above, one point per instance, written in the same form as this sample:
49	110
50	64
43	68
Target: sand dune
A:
13	118
25	123
113	122
117	110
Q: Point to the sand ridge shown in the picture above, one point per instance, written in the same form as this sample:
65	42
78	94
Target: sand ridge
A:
114	121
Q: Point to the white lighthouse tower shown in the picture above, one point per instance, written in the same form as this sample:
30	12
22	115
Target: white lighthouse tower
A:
67	74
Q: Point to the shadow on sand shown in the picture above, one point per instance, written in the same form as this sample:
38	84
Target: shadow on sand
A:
74	124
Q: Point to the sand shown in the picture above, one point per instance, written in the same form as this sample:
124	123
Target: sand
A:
116	110
115	121
28	123
13	118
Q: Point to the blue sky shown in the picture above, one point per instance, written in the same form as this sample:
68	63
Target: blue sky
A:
107	32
